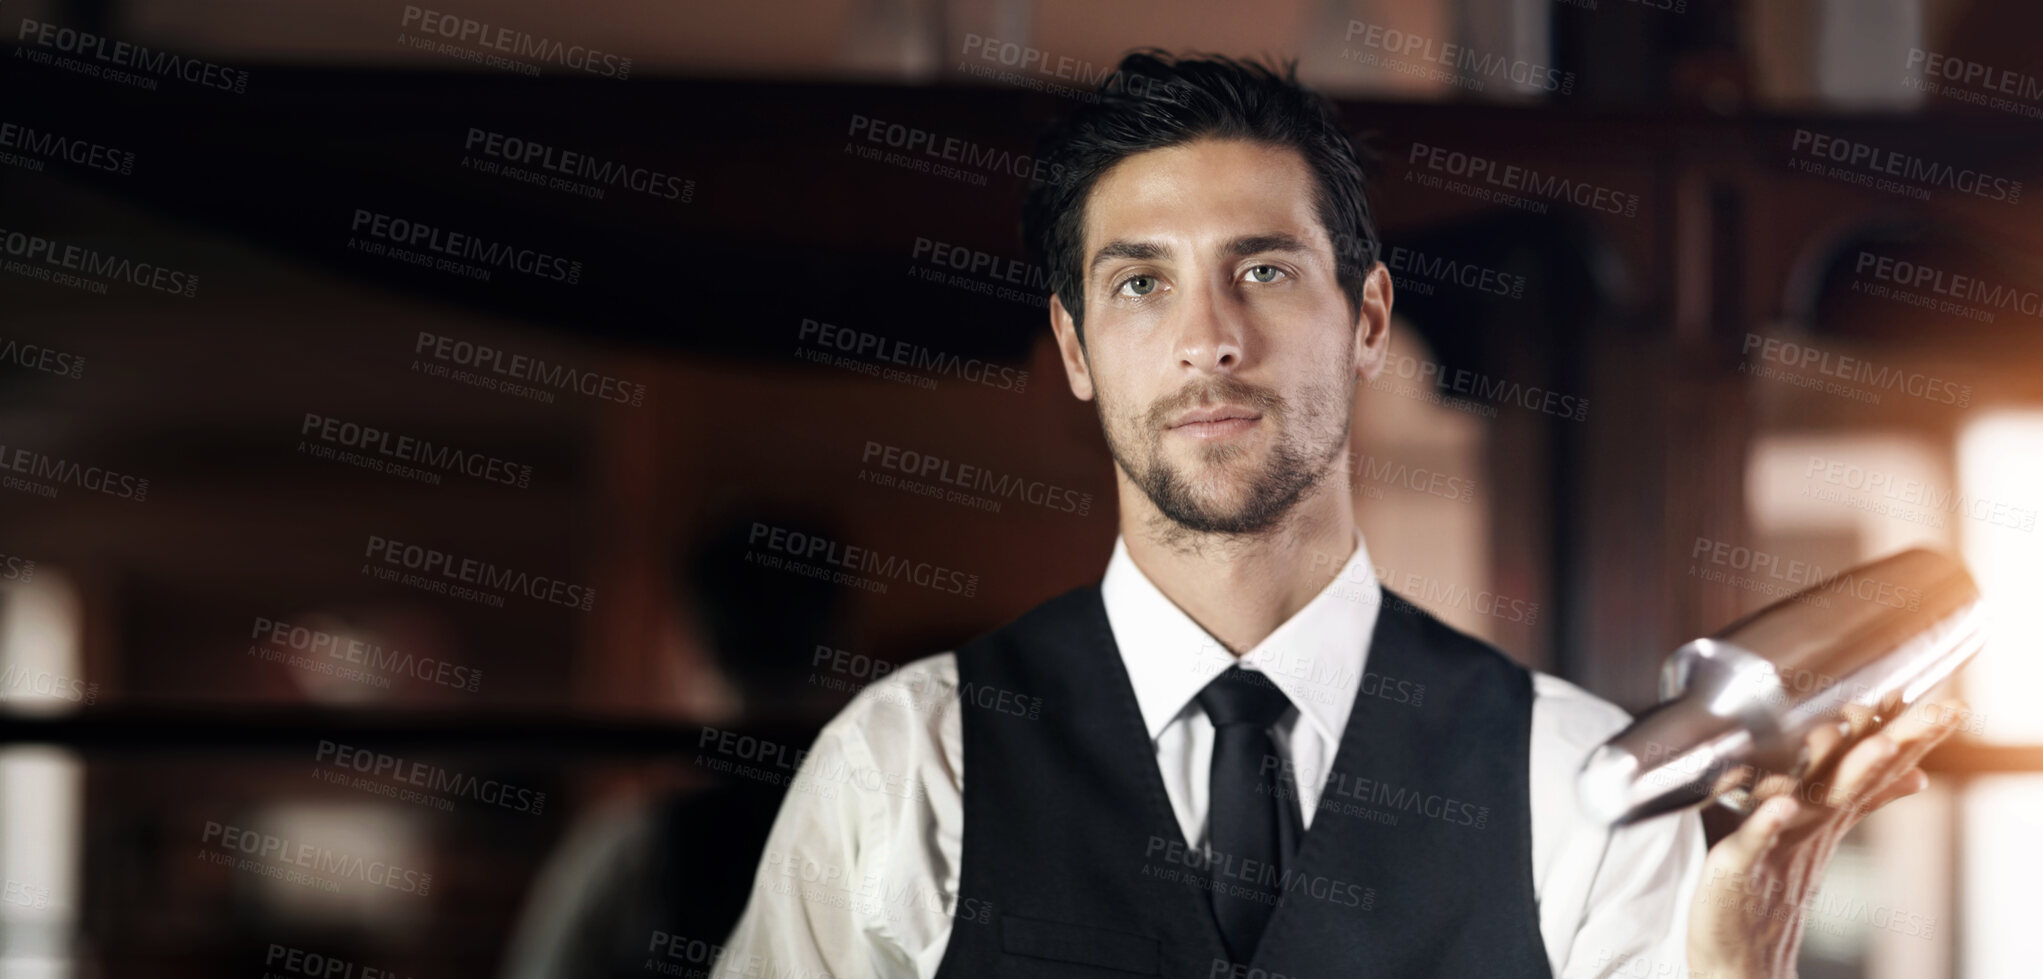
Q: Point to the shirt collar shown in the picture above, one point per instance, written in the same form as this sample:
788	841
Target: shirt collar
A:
1316	657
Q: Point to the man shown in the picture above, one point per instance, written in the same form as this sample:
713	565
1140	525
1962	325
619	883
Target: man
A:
1236	755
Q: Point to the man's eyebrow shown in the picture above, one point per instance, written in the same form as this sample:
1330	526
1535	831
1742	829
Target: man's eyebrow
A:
1242	247
1276	241
1123	248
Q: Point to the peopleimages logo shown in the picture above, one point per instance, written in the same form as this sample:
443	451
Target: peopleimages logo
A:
1973	83
1402	592
984	273
50	253
875	893
774	763
699	955
278	635
121	54
1522	180
68	473
1475	384
24	894
1408	266
424	453
1381	798
515	42
1253	875
456	245
1858	370
823	337
952	149
921	691
291	961
1966	288
1801	574
1460	57
264	846
1362	466
431	778
982	263
978	479
570	163
1865	159
55	146
860	560
1824	910
517	367
470	571
19	682
1977	74
36	357
1914	493
1035	61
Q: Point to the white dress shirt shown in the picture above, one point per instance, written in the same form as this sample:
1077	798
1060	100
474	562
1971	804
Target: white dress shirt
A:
860	874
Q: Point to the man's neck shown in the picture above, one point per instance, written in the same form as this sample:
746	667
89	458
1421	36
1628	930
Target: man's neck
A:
1240	588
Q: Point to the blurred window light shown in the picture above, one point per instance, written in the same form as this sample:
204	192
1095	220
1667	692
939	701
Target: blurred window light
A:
1877	490
1860	45
2003	860
2000	464
41	789
1837	54
369	870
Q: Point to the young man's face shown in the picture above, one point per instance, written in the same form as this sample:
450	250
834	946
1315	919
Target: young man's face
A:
1218	342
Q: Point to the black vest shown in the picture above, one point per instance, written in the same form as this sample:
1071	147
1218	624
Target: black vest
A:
1418	862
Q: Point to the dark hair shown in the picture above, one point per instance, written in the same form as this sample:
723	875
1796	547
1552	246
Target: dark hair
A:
1154	100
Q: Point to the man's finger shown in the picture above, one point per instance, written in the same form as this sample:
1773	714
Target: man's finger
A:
1879	771
1736	855
1927	725
1850	780
1820	751
1949	716
1909	783
1861	720
1913	735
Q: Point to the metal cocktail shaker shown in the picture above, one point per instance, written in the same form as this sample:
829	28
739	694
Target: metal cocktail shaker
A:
1862	646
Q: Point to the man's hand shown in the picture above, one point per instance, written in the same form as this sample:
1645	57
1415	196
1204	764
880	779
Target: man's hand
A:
1746	921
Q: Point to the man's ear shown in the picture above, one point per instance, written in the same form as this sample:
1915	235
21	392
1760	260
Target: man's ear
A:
1076	370
1372	324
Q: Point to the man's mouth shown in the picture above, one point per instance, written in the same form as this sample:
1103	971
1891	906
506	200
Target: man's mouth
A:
1219	421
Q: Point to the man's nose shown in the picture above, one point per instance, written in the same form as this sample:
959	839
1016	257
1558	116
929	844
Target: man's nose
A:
1212	334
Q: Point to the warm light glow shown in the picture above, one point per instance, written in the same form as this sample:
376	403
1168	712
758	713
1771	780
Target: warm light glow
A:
2000	465
379	835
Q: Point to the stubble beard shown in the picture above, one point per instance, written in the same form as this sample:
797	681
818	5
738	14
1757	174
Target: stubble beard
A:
1305	445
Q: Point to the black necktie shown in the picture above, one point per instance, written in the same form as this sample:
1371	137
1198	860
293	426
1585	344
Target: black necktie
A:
1247	807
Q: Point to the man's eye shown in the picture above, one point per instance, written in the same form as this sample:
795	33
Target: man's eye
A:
1257	274
1139	285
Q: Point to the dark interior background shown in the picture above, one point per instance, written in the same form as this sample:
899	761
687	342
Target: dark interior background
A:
152	710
